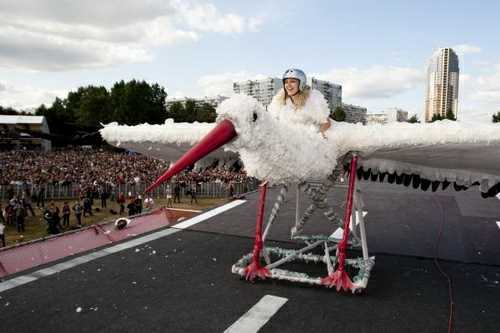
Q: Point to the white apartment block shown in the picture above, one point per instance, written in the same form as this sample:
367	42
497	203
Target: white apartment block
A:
442	84
354	113
262	90
389	115
331	91
213	101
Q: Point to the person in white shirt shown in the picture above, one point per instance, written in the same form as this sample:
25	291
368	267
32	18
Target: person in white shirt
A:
298	103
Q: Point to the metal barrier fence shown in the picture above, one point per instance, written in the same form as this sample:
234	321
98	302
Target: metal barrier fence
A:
73	191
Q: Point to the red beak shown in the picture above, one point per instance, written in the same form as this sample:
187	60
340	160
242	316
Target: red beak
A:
220	135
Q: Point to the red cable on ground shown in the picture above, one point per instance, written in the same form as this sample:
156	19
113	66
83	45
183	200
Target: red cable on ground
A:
436	262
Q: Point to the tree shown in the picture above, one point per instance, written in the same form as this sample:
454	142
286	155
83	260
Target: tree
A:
94	107
55	115
450	115
496	117
435	117
190	110
206	113
138	102
11	111
413	119
338	114
176	112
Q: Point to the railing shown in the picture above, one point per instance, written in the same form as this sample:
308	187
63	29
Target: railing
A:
73	191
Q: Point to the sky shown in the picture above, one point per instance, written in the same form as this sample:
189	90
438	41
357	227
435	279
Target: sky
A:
377	50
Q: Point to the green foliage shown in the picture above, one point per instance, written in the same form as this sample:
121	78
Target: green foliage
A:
11	111
413	119
338	114
436	117
56	116
94	107
450	115
177	112
137	102
206	113
496	117
191	112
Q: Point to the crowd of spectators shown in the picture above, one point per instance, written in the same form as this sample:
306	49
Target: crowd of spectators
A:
96	173
84	167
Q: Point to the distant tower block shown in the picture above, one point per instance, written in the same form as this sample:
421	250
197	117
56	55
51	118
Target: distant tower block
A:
442	84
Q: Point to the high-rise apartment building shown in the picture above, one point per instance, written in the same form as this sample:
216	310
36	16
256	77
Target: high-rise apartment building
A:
262	90
354	113
442	84
331	91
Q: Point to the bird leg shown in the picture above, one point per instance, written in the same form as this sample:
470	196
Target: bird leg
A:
340	279
254	269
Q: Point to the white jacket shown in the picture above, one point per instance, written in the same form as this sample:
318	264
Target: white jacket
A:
314	112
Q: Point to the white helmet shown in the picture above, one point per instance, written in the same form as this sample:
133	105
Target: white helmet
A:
294	73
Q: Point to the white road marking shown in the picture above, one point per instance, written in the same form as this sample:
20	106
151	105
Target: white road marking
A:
202	217
258	315
498	224
184	210
23	279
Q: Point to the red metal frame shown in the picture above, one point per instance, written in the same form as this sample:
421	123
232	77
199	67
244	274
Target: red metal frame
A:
254	269
340	279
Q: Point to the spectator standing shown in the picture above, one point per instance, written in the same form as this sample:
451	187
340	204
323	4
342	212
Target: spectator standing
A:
103	196
77	208
2	216
26	202
10	214
56	215
169	196
52	226
138	204
121	202
19	215
177	193
87	206
2	230
40	199
65	213
131	207
192	192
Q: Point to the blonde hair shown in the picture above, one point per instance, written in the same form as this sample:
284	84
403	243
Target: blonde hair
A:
300	98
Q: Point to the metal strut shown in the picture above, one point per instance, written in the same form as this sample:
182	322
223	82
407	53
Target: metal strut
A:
334	255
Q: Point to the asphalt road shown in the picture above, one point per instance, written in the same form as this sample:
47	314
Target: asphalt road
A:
181	282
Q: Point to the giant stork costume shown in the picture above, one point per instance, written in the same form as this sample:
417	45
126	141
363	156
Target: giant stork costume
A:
426	156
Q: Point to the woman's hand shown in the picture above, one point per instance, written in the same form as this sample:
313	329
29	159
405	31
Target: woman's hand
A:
323	127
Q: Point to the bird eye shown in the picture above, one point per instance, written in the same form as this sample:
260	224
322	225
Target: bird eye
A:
255	117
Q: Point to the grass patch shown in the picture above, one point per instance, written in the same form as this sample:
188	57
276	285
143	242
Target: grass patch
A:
36	227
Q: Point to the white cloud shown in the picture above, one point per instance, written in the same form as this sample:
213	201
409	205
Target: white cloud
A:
375	82
30	96
462	49
54	35
480	95
222	84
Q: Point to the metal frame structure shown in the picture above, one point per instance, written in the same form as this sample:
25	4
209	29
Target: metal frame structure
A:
266	262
